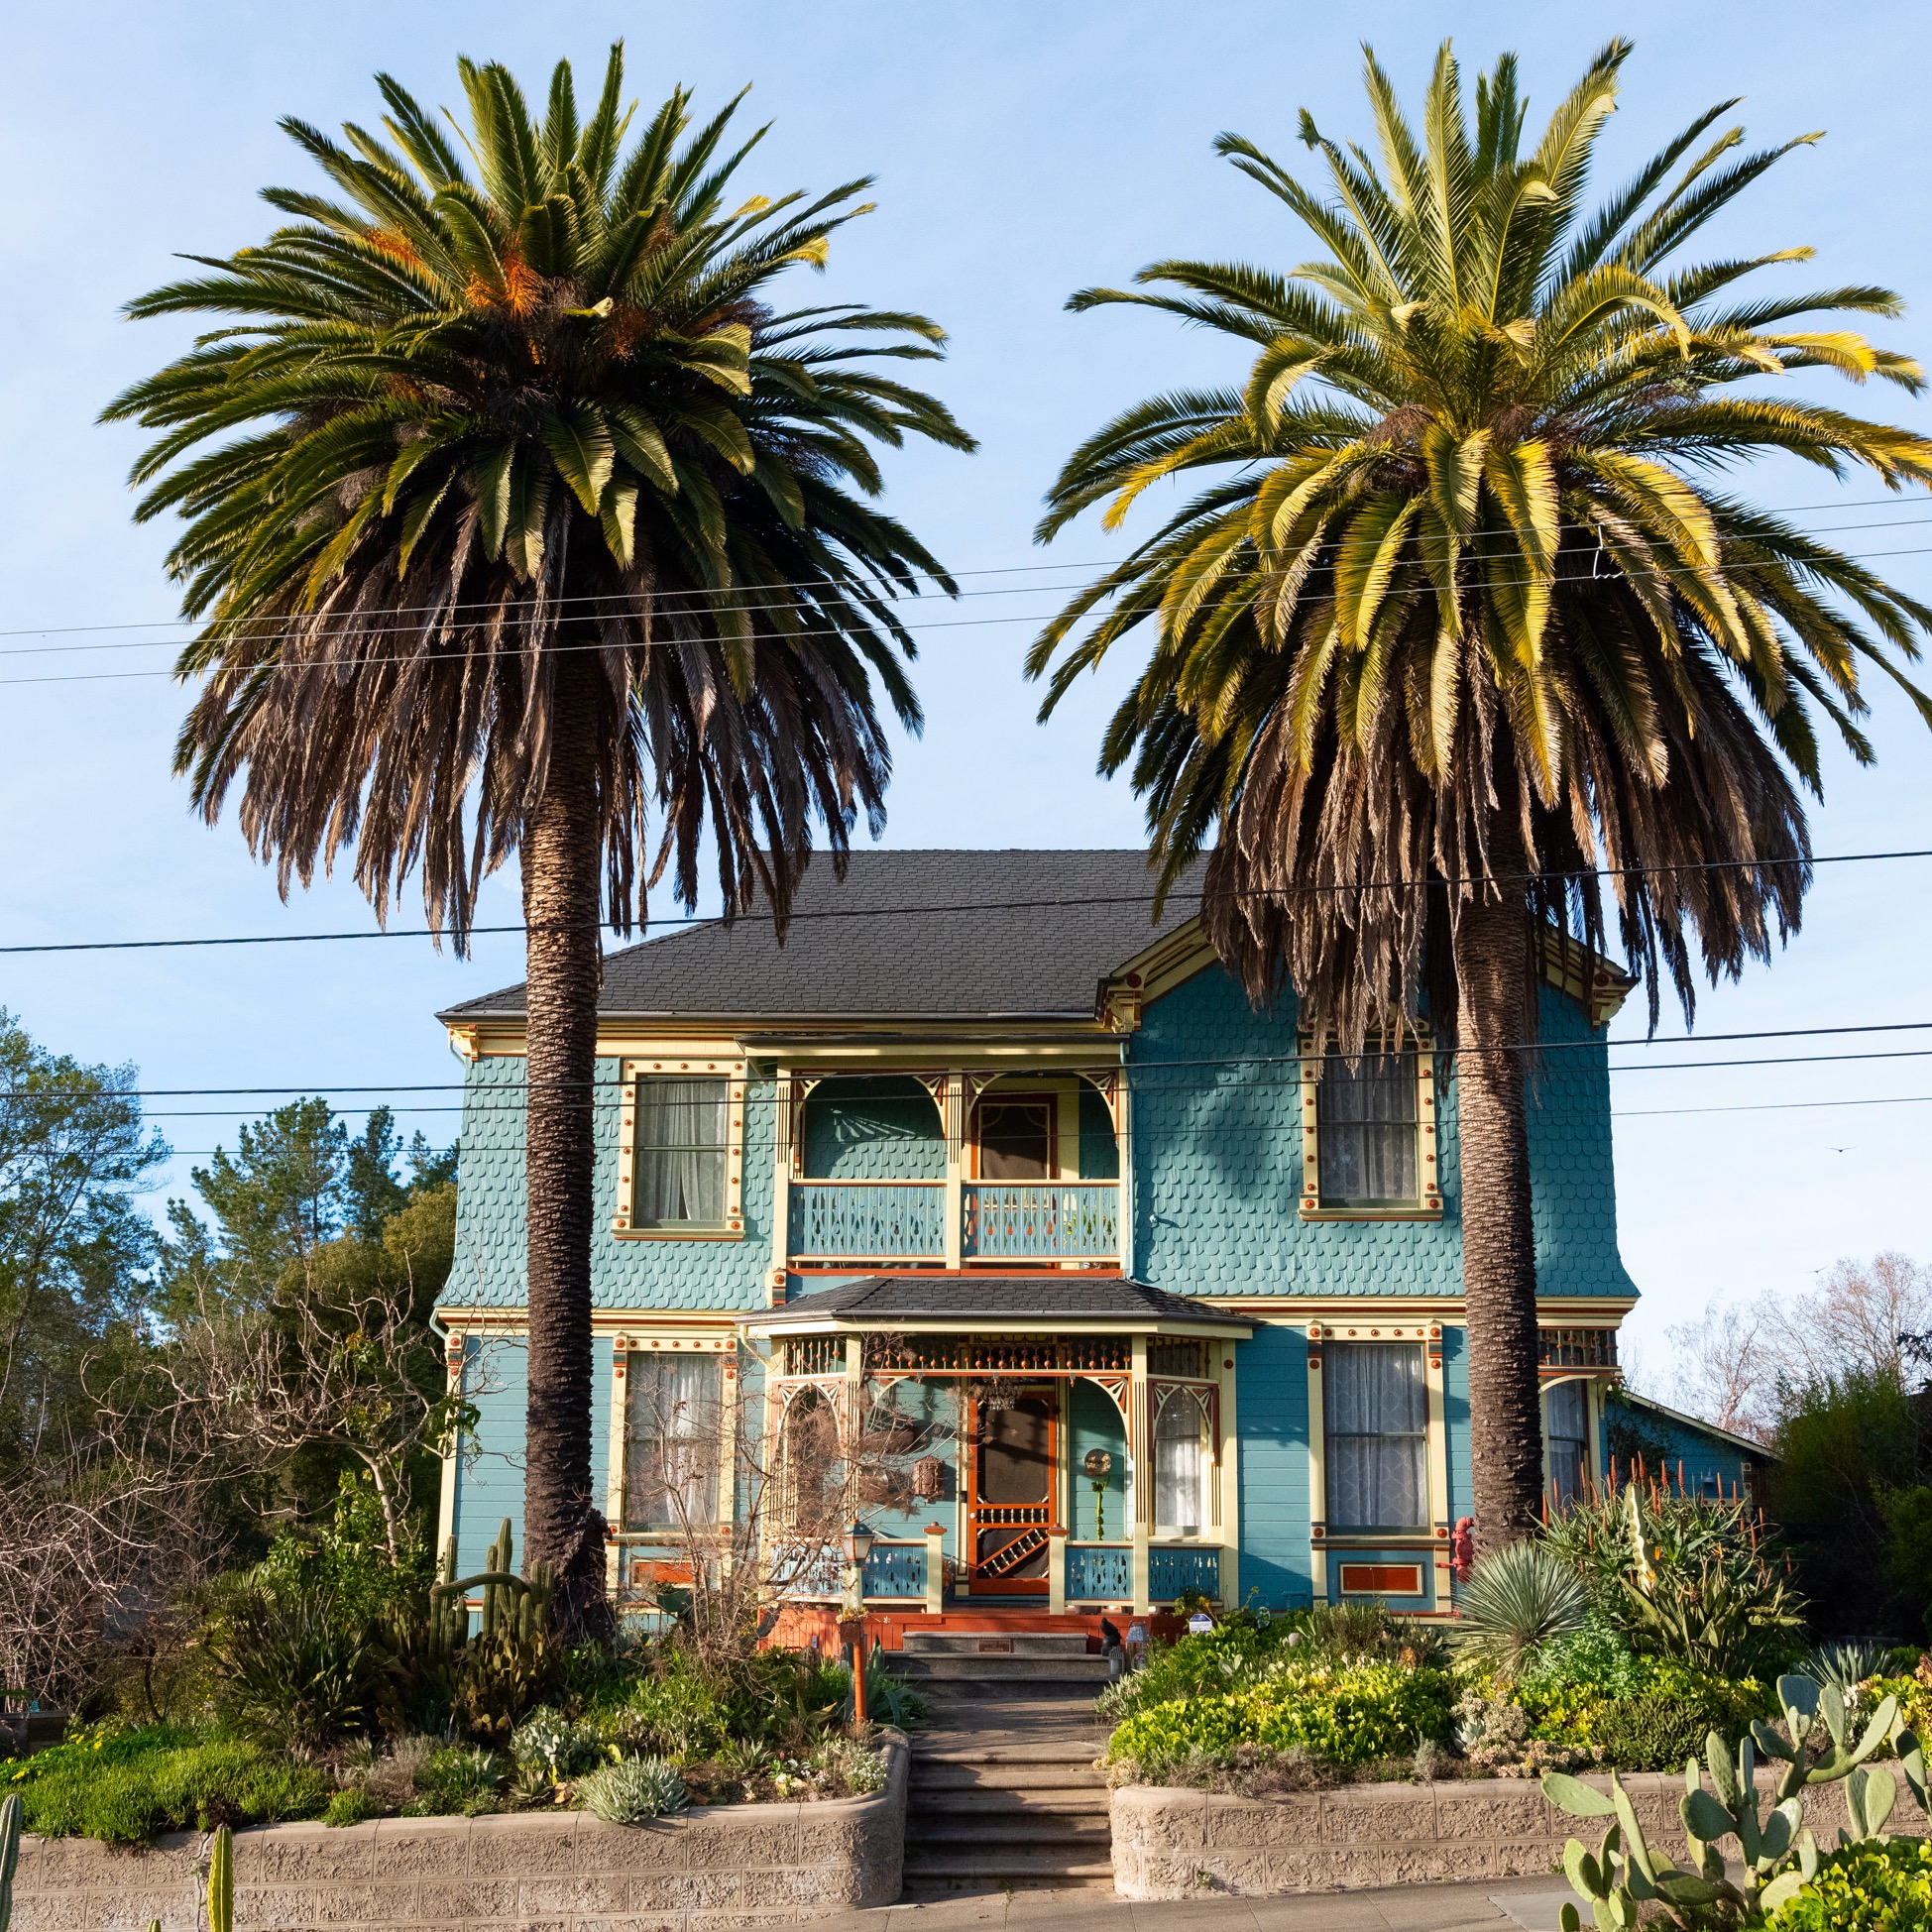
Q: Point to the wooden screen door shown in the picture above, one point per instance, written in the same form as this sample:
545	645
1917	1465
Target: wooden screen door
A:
1010	1508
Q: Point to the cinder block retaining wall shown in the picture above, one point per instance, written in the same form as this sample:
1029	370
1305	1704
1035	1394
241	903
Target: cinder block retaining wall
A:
517	1872
1180	1844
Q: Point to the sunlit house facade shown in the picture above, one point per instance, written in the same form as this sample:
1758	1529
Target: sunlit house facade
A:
1173	1288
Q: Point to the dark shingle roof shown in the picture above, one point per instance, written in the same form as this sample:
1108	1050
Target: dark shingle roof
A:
957	935
1062	1298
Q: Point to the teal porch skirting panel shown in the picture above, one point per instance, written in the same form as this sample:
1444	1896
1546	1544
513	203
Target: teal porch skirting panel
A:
1099	1573
1173	1572
896	1571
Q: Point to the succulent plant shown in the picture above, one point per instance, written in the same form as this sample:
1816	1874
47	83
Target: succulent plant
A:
633	1790
221	1881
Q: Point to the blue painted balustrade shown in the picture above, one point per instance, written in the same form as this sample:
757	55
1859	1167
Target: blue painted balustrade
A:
896	1571
1043	1220
869	1220
1169	1572
1099	1572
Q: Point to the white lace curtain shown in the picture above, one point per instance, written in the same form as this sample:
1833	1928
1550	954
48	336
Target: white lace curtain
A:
1376	1403
680	1152
1567	1440
1180	1458
674	1441
1366	1116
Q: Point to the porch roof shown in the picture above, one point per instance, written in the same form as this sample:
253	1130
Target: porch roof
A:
977	1300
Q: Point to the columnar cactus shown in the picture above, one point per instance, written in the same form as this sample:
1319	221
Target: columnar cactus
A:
10	1813
221	1882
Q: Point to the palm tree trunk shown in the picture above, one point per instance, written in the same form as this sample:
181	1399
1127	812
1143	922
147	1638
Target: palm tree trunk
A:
563	1531
1494	990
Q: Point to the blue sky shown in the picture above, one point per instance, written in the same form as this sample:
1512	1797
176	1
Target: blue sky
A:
1022	150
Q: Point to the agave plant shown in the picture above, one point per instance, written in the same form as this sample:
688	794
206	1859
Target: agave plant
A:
1517	1598
1847	1664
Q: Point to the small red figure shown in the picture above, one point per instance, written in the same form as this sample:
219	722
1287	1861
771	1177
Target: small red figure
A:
1462	1547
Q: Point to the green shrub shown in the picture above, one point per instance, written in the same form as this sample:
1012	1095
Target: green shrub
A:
349	1807
463	1778
1348	1713
126	1796
1881	1888
1656	1732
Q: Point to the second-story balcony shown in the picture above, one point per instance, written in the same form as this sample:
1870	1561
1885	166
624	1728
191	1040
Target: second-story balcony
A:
1029	1176
901	1221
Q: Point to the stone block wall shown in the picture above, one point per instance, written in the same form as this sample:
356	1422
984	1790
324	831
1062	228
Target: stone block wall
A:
1181	1843
516	1871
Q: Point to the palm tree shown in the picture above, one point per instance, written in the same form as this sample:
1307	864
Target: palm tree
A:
514	515
1461	620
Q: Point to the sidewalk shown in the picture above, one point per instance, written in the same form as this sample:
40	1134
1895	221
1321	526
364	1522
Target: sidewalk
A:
1483	1905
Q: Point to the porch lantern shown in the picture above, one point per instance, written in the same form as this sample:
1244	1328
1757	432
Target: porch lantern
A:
858	1547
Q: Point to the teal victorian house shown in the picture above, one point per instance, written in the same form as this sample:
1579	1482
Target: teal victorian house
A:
1175	1289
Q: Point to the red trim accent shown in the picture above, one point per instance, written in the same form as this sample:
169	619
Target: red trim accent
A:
1381	1579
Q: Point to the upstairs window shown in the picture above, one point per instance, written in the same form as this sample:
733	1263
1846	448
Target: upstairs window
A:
1366	1117
1375	1402
674	1434
1368	1132
682	1149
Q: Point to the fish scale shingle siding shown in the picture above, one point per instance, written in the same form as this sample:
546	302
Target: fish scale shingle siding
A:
489	1270
1218	1145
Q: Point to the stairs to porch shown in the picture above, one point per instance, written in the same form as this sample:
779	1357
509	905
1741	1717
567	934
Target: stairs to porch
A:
1004	1792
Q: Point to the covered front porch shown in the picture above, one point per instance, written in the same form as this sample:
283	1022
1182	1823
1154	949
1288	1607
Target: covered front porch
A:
1046	1446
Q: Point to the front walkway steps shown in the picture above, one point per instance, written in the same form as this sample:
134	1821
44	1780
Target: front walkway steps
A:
1004	1794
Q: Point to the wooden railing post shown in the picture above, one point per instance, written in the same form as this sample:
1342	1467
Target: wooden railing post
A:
1057	1572
935	1569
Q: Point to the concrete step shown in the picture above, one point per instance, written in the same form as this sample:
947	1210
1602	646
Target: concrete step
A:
937	1871
1076	1802
954	1778
1076	1841
923	1667
1015	1643
927	1750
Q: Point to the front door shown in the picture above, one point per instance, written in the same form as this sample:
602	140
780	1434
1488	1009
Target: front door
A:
1010	1507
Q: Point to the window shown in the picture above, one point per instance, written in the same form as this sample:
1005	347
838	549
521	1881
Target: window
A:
1016	1140
673	1441
1566	1441
682	1146
1179	1465
1376	1406
1366	1111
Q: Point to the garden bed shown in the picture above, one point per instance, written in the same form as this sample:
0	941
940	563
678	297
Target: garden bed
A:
1173	1842
722	1866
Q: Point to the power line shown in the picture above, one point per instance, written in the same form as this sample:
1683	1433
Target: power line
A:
988	570
681	921
1097	1065
1799	565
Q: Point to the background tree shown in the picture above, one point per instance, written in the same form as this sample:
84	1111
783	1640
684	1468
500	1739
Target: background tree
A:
1460	619
74	1247
514	515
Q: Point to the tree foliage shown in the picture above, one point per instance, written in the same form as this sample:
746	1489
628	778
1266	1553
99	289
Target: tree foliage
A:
1460	596
508	401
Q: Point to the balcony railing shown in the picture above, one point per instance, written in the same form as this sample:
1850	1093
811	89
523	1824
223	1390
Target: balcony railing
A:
1172	1572
869	1220
999	1220
1051	1221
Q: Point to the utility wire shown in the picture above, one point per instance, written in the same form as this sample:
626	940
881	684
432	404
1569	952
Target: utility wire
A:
34	1095
1800	566
682	922
881	584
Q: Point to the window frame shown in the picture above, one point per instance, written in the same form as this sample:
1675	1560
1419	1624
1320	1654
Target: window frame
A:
1316	1051
1586	1460
1200	1396
1425	1434
623	1222
710	1444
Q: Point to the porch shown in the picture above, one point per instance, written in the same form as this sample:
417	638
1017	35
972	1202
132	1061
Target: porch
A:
1059	1445
959	1167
